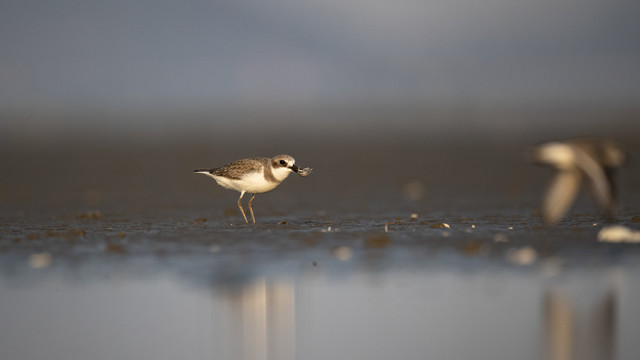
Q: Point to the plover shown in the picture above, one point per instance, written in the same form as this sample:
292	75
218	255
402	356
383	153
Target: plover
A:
594	160
254	176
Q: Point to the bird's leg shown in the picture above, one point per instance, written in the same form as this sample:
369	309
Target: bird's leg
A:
251	209
242	210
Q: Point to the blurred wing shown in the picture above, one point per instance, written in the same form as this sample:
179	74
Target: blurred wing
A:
613	191
598	180
560	196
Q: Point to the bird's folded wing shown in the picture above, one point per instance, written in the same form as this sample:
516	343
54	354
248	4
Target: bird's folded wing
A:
237	169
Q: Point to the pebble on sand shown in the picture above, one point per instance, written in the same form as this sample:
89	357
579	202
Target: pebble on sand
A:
342	253
522	256
40	260
500	238
618	234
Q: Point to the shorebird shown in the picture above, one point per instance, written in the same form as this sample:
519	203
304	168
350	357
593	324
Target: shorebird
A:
254	176
591	159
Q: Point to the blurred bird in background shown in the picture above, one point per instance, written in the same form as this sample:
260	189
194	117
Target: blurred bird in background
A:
591	160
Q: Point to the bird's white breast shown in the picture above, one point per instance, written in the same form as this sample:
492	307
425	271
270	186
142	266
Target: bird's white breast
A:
281	173
253	183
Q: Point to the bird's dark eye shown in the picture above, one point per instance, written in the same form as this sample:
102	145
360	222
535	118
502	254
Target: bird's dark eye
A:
282	162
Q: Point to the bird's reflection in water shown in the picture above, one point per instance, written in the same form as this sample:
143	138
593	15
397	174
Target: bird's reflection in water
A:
262	319
581	324
580	320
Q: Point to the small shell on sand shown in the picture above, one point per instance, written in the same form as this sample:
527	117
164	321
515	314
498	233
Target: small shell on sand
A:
617	234
305	172
40	260
522	256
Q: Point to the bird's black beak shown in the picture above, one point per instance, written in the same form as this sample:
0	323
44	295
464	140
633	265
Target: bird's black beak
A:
294	168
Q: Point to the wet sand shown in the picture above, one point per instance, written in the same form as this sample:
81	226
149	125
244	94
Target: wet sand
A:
397	202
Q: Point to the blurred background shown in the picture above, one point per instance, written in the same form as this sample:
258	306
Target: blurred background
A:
131	93
215	68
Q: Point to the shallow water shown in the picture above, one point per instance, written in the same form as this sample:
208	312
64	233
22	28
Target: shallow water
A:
388	250
264	301
444	313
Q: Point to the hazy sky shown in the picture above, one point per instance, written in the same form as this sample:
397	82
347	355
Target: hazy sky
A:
69	53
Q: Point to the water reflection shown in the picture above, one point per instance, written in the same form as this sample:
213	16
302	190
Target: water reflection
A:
263	319
582	320
593	316
443	313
